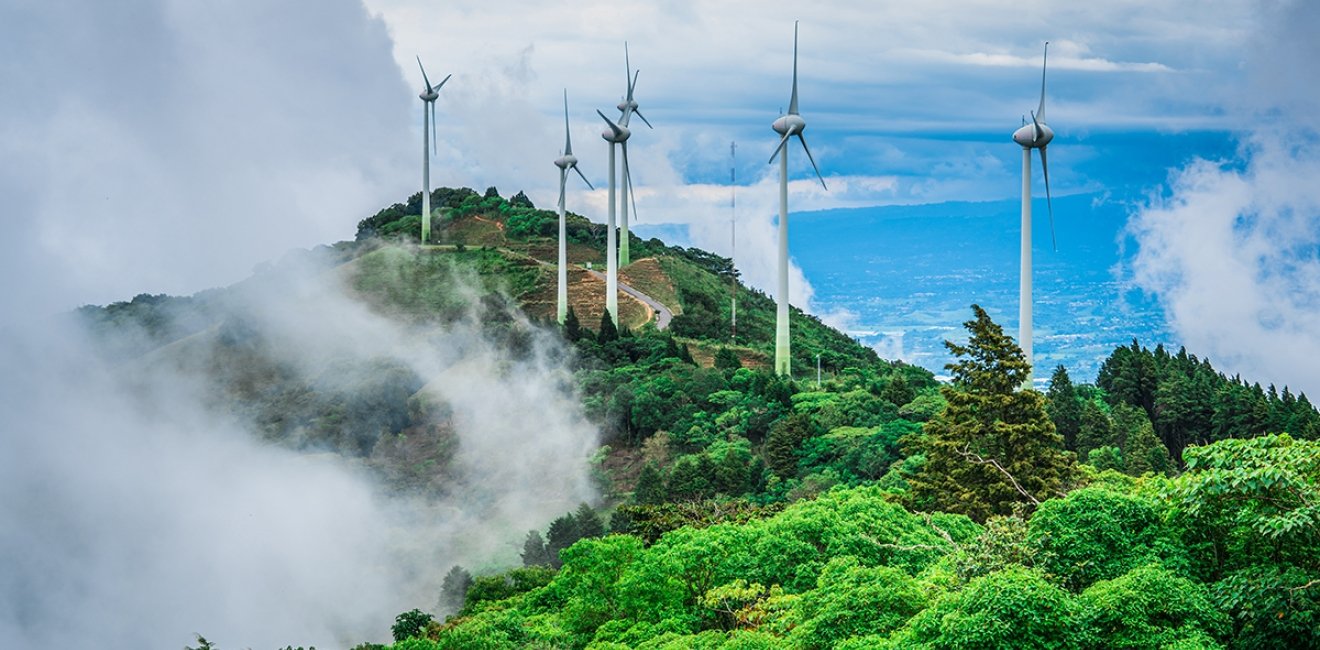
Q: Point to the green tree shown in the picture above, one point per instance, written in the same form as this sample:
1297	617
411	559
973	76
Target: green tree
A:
898	391
534	552
1151	608
410	624
727	359
560	535
1064	407
851	600
1094	429
572	326
1095	534
453	590
608	332
650	488
1142	450
588	522
785	439
993	446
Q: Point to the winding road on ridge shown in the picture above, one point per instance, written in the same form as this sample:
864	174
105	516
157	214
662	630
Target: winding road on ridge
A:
662	313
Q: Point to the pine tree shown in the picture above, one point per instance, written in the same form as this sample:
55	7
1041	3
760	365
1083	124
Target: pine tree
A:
534	552
454	589
993	446
572	327
727	359
561	534
1142	450
786	437
650	488
1064	407
685	354
898	392
588	522
608	332
1094	429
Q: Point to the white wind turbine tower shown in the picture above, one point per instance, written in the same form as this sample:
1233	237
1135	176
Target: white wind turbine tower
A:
1032	136
616	134
787	126
627	108
428	124
564	163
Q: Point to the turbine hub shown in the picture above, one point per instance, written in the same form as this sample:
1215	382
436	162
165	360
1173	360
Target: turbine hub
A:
628	105
1026	136
794	122
609	136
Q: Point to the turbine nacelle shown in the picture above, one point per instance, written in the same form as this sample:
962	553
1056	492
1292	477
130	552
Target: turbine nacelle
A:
429	96
789	123
615	134
566	161
1033	135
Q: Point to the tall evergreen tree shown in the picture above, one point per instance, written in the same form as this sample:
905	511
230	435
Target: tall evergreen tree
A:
561	534
727	359
650	488
993	446
1064	407
588	522
453	589
1094	429
898	391
572	326
1142	450
534	552
608	332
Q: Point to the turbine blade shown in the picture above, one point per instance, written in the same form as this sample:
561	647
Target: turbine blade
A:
628	179
813	161
563	178
568	137
1040	111
628	73
793	102
428	81
442	82
780	147
613	127
584	178
1039	134
638	113
632	85
1049	202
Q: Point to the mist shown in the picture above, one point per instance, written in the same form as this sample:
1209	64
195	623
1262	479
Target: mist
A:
137	513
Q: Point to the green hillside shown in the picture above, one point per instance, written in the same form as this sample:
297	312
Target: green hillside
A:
1165	505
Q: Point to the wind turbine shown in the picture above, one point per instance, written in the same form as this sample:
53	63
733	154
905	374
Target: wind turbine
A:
428	123
615	134
627	108
564	163
1032	136
788	126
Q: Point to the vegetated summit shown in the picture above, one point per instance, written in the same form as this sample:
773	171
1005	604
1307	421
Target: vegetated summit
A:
1165	505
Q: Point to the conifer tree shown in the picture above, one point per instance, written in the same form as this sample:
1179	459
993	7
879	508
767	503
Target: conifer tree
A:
572	326
650	488
1064	407
588	522
534	552
1094	429
993	446
727	359
454	589
898	391
1142	450
608	332
560	535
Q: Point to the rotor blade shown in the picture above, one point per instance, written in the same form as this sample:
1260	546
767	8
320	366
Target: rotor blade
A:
613	127
1039	134
813	161
632	85
563	178
568	138
793	103
628	73
1049	202
442	82
428	81
780	147
1040	111
638	113
628	179
584	178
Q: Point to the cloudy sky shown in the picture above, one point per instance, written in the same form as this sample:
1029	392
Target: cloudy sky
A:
157	145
